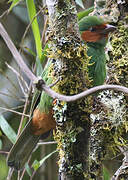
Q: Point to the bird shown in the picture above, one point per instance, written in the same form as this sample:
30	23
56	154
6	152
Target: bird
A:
38	128
94	31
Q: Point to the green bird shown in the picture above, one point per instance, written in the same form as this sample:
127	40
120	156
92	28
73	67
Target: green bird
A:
39	126
94	31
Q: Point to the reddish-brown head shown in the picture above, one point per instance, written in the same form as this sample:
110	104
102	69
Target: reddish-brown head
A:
93	29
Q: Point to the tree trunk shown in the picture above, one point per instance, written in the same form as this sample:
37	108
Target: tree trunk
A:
69	62
109	135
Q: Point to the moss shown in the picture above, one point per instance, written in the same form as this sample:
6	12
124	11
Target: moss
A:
120	52
71	117
107	9
108	131
69	62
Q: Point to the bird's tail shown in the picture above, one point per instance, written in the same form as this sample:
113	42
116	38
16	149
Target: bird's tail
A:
22	149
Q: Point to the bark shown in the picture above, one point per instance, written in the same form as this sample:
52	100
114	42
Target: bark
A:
69	62
109	130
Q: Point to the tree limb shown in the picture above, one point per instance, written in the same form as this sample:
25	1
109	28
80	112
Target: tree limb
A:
42	85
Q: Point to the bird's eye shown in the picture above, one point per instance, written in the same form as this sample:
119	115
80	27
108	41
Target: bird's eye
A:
92	29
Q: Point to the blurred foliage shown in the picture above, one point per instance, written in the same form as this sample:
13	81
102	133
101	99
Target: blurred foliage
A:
6	128
3	168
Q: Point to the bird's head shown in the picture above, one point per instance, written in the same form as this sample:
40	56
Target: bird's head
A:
94	30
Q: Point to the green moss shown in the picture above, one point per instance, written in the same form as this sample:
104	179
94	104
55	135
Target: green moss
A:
69	63
120	52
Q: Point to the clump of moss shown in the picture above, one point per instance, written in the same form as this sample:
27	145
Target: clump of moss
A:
119	54
108	131
69	63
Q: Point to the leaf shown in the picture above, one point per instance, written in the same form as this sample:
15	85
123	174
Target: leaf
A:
106	174
39	68
29	171
82	14
36	164
8	131
80	3
14	3
35	27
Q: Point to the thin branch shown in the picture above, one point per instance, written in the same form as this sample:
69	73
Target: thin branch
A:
46	143
10	173
53	84
25	108
9	79
4	152
85	93
10	110
10	96
24	170
29	25
4	13
16	54
43	86
18	175
123	167
20	78
44	31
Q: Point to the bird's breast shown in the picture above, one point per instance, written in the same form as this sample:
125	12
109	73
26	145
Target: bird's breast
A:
42	122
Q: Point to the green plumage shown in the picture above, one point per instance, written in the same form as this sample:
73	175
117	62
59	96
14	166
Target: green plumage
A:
45	100
27	141
88	21
97	65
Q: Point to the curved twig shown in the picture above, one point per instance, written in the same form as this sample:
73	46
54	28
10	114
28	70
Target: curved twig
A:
41	84
85	93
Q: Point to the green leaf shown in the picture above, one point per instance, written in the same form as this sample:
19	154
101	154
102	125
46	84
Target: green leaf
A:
8	131
24	123
39	68
82	14
106	174
80	3
36	164
29	171
35	27
14	3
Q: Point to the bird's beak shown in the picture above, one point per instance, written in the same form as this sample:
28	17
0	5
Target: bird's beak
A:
109	28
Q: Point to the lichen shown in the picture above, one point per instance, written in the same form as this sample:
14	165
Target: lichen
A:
108	131
69	63
110	125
